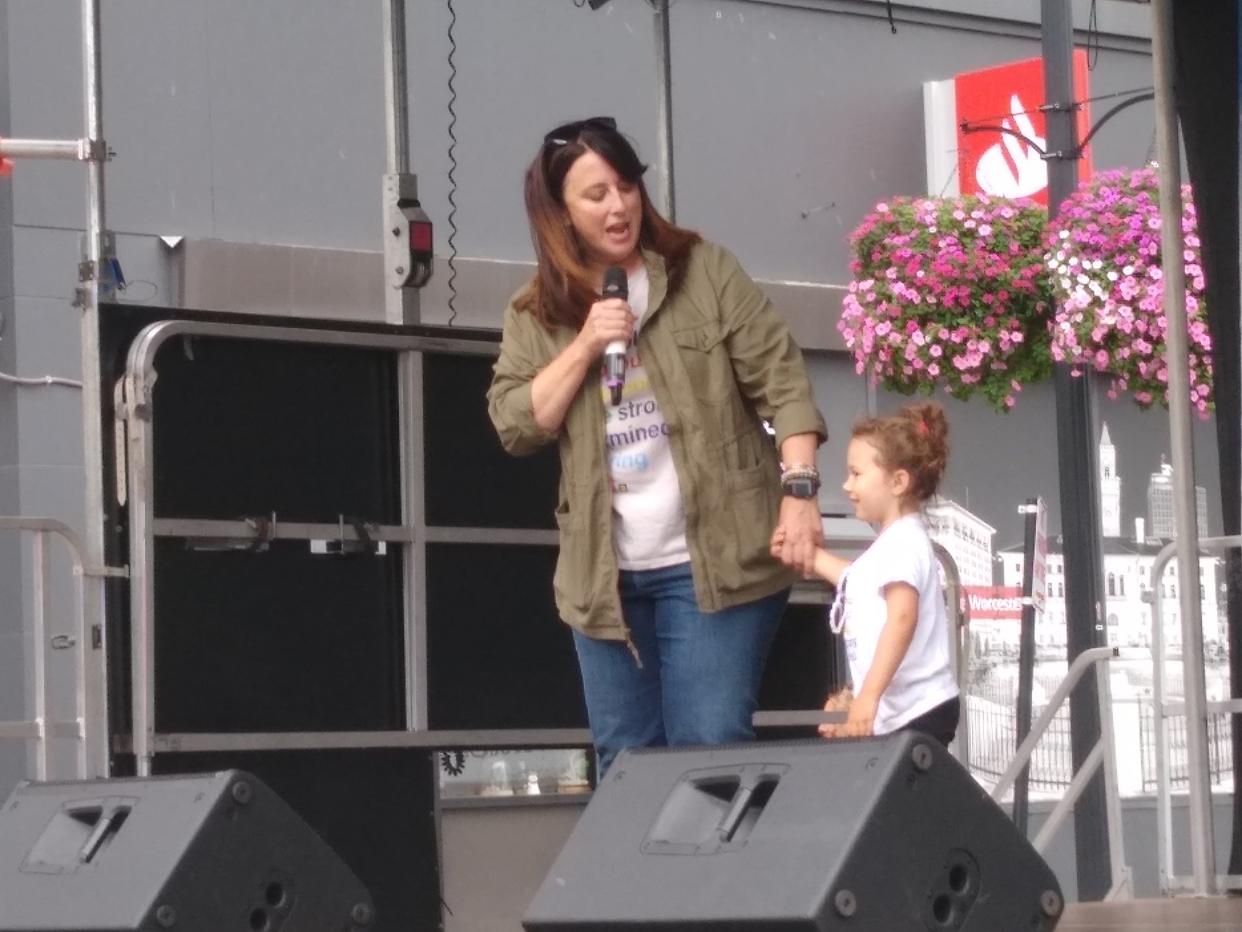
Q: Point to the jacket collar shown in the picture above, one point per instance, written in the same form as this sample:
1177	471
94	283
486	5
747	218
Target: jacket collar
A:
657	280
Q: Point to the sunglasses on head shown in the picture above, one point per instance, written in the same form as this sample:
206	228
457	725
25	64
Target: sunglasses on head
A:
564	135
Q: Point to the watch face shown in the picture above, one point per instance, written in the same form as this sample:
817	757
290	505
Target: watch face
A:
800	488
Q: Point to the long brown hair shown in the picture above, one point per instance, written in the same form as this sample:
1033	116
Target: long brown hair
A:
563	288
915	439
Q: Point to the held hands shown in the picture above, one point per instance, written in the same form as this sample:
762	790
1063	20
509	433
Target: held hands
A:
609	319
777	545
861	720
799	534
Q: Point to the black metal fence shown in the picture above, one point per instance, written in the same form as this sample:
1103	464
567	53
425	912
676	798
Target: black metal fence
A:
1220	748
993	742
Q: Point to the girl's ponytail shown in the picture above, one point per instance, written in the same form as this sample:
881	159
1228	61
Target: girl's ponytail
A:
915	439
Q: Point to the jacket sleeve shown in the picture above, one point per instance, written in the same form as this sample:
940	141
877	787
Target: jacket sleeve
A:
508	397
767	363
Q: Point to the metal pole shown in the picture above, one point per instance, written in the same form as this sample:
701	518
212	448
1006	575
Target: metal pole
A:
396	104
1172	243
97	285
142	560
664	125
93	77
1078	474
1026	664
398	186
1164	803
38	657
1112	795
402	306
1232	563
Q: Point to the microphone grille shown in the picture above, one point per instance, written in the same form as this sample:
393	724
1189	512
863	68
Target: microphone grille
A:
616	284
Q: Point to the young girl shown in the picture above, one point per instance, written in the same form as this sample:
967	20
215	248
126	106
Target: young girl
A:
889	605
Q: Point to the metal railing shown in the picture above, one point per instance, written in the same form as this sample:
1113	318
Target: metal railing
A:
1177	771
411	535
88	727
995	731
993	725
959	646
145	741
1103	755
1196	710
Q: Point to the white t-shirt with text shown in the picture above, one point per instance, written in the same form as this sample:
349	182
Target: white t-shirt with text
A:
902	553
649	524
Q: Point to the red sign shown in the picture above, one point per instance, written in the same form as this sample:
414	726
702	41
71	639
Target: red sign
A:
999	163
999	603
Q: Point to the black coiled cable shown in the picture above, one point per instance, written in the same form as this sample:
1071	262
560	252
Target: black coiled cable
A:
452	156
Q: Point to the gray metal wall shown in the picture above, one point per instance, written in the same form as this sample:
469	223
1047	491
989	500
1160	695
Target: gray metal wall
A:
262	123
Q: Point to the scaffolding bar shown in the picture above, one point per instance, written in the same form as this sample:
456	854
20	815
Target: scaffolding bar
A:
1172	244
73	150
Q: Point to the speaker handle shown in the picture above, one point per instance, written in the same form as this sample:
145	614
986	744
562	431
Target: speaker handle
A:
108	825
733	818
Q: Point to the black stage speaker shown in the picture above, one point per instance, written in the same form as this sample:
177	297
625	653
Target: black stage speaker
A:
208	853
877	835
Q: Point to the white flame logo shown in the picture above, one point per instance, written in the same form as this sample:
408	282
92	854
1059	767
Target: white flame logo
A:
1012	168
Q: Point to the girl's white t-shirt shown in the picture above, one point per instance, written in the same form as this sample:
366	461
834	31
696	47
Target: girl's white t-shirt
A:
902	553
648	520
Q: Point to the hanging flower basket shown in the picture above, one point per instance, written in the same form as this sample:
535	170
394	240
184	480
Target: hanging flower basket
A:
950	293
1103	254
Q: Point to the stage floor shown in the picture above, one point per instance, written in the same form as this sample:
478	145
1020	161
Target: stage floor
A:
1183	915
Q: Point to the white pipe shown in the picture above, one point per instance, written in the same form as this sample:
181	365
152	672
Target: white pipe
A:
70	149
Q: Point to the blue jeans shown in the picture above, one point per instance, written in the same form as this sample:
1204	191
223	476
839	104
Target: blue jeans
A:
698	680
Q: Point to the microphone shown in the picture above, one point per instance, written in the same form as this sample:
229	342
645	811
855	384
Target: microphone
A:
616	285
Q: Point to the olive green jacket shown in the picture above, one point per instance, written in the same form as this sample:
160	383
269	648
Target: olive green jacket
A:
719	358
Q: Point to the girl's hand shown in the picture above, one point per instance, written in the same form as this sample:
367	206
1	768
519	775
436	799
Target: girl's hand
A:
837	702
861	722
